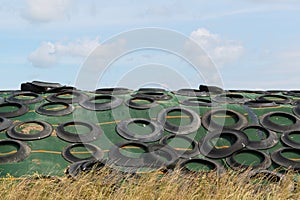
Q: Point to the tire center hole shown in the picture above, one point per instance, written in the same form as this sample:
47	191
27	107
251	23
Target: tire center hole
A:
132	151
81	152
200	166
7	149
178	118
282	120
55	107
140	127
29	128
225	118
249	158
77	129
224	141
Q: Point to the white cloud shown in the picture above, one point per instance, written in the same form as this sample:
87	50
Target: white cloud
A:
222	51
50	54
40	11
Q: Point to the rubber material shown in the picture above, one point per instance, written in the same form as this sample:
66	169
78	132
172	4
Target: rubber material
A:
68	110
234	164
218	167
94	134
114	102
285	138
294	93
296	110
266	143
130	103
78	97
12	99
117	158
83	166
230	98
179	130
1	100
158	96
279	159
22	109
21	154
33	88
151	90
4	123
46	132
212	152
248	91
60	89
155	135
187	153
267	123
113	91
67	155
285	100
159	150
211	89
191	92
260	103
46	84
198	102
241	120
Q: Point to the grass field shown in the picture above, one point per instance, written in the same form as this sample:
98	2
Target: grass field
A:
108	184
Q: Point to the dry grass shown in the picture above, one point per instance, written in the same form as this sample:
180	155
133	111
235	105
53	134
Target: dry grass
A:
108	184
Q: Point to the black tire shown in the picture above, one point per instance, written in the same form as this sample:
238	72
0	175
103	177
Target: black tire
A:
234	164
131	104
266	121
68	156
4	123
191	93
267	143
46	132
157	94
114	103
209	124
198	102
212	152
155	135
285	100
78	97
279	159
187	153
94	134
157	151
113	91
260	103
22	109
118	159
179	130
66	111
296	110
294	93
211	89
36	98
285	138
21	154
230	98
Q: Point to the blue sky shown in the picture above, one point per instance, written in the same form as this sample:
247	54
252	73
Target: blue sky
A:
254	43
